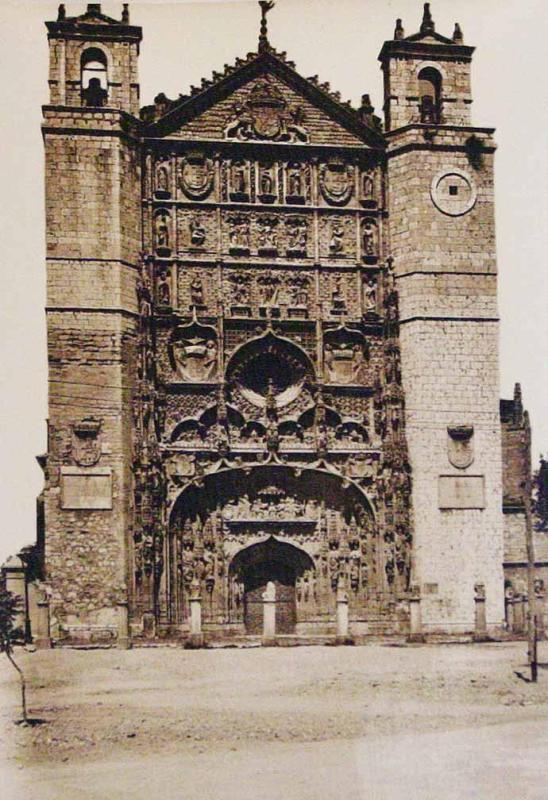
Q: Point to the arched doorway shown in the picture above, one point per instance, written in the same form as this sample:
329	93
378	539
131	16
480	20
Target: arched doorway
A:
276	562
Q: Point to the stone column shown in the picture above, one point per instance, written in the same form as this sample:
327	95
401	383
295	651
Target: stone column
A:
195	600
41	637
415	620
123	641
480	622
269	614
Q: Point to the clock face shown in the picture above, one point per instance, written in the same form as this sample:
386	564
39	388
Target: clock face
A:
453	192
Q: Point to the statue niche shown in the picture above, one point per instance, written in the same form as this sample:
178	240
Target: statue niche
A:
194	352
346	356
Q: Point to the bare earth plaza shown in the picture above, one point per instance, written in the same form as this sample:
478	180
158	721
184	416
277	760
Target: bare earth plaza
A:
275	431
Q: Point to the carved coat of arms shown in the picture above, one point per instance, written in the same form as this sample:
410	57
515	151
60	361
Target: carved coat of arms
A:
337	182
86	444
196	176
264	115
194	353
460	446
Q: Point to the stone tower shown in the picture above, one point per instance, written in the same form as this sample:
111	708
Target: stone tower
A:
93	243
442	240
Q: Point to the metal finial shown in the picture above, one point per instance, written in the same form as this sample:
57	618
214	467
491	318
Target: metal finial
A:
125	13
399	32
427	25
266	6
457	34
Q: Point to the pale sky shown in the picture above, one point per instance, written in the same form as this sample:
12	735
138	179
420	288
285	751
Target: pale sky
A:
337	39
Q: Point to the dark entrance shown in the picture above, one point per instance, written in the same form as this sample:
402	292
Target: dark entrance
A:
255	580
274	561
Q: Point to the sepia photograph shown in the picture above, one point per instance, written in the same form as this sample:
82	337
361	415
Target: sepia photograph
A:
273	428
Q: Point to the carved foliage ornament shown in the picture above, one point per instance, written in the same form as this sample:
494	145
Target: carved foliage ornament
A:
196	176
264	115
337	182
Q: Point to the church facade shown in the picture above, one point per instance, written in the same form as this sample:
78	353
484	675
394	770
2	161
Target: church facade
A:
273	346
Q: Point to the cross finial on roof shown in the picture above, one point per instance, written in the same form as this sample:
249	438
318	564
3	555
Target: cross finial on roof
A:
427	25
266	6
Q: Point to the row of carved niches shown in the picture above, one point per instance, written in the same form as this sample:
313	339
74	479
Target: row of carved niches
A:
310	509
197	176
272	294
262	234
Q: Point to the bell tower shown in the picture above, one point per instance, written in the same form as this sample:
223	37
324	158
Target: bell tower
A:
93	241
440	173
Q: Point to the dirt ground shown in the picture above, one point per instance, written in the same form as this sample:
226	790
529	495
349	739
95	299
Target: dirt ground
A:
448	722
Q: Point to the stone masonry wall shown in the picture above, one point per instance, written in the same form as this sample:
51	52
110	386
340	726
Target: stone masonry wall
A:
93	242
445	268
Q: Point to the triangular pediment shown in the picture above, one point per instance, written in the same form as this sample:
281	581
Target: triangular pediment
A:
264	100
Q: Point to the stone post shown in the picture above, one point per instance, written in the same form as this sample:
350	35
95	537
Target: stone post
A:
415	620
269	614
480	620
519	613
539	594
41	637
14	576
195	600
342	614
509	603
123	641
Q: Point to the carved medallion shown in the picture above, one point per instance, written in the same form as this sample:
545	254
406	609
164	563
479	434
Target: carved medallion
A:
264	115
196	176
337	182
460	446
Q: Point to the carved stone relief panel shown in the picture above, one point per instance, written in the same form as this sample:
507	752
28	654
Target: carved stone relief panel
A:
197	289
298	237
237	233
269	293
180	407
195	176
337	237
339	294
196	230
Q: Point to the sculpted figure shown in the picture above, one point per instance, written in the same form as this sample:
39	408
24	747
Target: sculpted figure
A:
369	235
336	243
267	184
239	178
367	185
162	230
196	292
164	292
294	181
370	295
197	233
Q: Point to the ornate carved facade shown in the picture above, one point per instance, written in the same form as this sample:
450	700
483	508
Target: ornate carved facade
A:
252	315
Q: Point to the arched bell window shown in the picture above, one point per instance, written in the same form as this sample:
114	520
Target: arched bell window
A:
94	80
430	98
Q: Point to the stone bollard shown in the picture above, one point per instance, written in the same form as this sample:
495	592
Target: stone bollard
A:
269	614
520	615
42	638
480	619
342	614
195	600
509	609
123	641
415	620
14	577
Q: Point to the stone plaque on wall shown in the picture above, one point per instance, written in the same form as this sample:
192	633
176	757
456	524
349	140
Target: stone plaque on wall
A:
86	490
461	491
